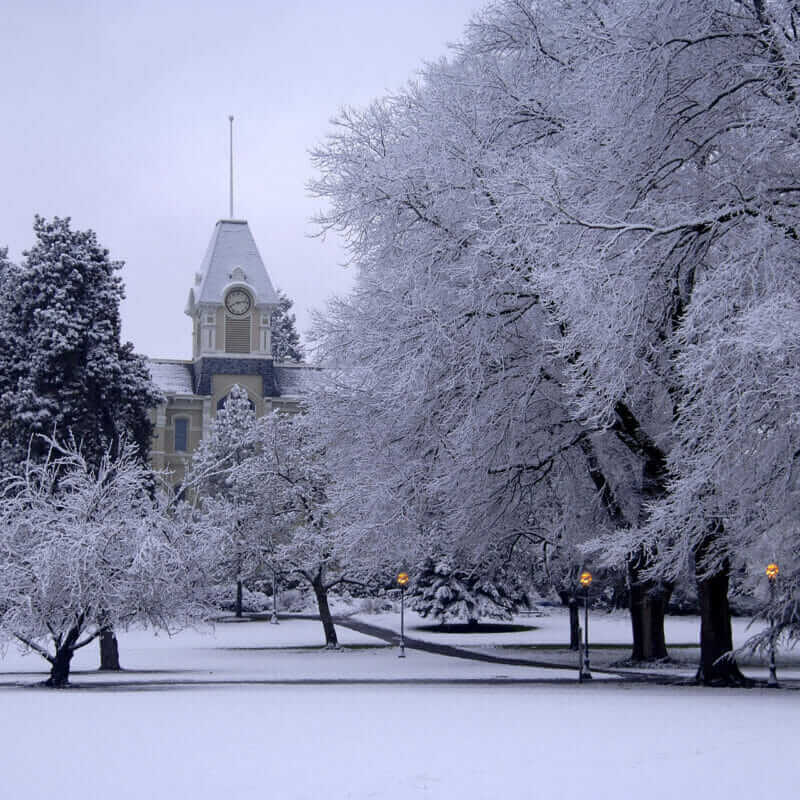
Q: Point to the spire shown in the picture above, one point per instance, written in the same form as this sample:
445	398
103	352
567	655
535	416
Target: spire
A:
230	138
232	258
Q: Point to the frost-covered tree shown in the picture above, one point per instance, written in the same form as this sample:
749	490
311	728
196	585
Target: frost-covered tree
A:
227	507
680	252
283	331
291	473
84	546
554	232
63	366
449	591
451	396
260	487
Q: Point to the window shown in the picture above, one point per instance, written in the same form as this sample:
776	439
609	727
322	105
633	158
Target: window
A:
181	435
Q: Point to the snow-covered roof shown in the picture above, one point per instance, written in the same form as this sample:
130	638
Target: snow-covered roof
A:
172	377
232	257
292	380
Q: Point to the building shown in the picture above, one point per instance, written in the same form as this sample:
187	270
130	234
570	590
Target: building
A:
230	304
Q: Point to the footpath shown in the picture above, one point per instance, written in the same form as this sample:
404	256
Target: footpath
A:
392	637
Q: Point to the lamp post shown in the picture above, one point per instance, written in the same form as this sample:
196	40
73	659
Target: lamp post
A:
402	581
772	576
586	582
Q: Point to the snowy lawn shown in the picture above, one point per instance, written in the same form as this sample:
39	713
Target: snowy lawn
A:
499	742
258	651
252	708
609	640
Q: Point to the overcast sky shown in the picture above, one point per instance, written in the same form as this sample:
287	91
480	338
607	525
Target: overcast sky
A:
116	114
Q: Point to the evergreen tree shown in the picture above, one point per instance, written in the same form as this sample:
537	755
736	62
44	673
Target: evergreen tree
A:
227	444
285	338
63	367
6	268
449	592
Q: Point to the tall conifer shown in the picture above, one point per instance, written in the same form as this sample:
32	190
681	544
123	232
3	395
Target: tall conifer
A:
63	367
285	338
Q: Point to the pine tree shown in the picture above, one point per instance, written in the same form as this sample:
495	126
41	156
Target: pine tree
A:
227	444
285	339
6	268
63	368
449	592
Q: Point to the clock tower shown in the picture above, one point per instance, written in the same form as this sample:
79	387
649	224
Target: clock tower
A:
230	304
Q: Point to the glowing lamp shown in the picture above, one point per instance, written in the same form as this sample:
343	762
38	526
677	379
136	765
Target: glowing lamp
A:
772	571
402	578
586	579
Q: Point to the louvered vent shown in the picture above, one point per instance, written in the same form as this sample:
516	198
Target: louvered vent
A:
237	335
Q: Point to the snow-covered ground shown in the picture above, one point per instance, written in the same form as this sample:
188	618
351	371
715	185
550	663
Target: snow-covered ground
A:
606	629
258	651
257	709
446	742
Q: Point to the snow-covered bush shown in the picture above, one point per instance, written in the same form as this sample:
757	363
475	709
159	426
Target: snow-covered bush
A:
295	600
224	597
376	605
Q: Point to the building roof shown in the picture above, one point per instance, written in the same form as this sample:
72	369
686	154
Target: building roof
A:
232	257
293	379
172	377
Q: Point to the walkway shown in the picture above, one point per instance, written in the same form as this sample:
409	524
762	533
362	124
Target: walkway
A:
392	637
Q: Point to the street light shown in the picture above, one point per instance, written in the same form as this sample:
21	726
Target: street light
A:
402	581
772	576
586	582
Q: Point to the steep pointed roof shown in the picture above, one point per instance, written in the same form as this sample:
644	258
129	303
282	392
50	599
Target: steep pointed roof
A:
232	257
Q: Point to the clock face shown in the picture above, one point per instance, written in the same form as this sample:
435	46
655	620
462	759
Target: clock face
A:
237	301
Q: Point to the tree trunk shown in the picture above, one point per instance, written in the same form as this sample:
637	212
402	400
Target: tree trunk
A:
648	607
716	636
574	624
648	599
59	670
239	599
109	650
571	602
331	641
